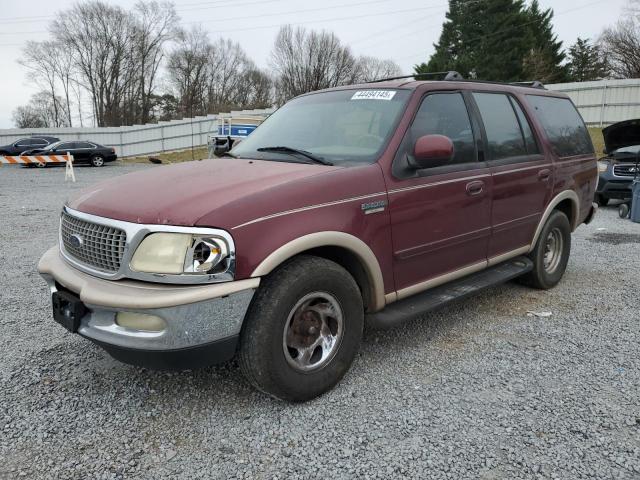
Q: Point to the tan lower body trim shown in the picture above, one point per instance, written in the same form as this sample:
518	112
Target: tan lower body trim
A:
447	277
132	293
503	257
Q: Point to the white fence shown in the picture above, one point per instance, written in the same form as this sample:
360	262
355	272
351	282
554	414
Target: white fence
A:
138	139
604	102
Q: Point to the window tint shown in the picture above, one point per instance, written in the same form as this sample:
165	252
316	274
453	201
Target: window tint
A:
446	114
504	136
83	145
563	125
25	142
66	146
39	142
529	138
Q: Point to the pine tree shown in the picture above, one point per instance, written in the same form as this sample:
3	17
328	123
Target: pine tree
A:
546	51
501	40
586	62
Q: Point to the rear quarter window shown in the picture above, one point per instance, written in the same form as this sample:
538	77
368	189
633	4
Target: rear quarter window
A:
563	125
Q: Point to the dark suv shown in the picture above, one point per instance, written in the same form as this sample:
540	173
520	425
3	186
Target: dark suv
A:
375	202
621	165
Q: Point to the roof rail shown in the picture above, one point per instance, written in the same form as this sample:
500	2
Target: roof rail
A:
445	76
531	84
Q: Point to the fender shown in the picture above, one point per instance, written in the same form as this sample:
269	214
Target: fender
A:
330	239
575	213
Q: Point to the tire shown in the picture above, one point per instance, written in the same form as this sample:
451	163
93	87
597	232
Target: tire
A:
97	161
602	201
285	319
551	253
623	210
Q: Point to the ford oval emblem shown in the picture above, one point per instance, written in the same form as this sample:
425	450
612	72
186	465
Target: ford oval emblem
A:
76	241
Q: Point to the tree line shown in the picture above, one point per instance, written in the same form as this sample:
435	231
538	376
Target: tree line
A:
115	67
138	66
510	40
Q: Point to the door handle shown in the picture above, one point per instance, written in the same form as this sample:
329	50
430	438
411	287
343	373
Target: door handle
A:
475	188
544	175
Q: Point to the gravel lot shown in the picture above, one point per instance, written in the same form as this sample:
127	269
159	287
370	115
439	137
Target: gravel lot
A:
477	390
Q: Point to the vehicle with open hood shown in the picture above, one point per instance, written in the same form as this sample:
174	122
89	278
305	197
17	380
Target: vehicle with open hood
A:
368	203
620	165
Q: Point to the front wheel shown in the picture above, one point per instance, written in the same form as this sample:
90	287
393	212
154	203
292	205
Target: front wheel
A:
302	330
97	161
551	253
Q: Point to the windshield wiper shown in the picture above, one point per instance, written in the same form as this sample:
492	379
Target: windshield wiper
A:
291	150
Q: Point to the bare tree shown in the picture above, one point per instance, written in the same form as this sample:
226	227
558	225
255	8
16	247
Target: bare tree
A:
304	61
187	69
41	59
621	43
212	77
371	68
27	117
43	110
154	25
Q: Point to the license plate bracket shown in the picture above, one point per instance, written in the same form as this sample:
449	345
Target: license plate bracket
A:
68	310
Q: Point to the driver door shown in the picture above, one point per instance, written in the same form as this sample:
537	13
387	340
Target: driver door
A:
440	216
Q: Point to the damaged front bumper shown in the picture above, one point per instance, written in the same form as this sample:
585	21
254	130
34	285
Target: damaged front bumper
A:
153	325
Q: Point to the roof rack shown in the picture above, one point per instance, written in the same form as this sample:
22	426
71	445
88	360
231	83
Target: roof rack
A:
531	84
447	76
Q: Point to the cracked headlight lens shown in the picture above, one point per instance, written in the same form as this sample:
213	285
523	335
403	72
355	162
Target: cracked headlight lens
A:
179	253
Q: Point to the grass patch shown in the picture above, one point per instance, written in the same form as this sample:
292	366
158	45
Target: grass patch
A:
199	153
598	139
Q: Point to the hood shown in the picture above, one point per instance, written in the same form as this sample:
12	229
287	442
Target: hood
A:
182	194
621	135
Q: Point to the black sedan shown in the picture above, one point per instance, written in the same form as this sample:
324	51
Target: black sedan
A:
24	144
82	151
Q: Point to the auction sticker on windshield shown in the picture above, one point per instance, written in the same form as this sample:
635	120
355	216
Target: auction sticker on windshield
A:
374	95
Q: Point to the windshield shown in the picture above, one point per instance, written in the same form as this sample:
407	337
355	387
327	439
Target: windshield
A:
344	127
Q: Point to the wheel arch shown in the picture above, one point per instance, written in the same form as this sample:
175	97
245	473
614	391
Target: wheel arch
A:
350	252
568	203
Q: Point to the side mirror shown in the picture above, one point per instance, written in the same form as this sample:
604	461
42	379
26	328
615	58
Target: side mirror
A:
432	151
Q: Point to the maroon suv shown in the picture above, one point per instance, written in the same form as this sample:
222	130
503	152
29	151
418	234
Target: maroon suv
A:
369	203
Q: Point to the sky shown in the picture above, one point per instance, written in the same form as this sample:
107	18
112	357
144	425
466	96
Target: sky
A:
402	31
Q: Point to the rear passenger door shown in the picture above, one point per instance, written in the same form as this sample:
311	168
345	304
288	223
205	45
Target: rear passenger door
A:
440	216
522	177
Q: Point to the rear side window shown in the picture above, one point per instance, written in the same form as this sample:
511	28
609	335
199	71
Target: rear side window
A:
563	125
529	138
501	125
446	114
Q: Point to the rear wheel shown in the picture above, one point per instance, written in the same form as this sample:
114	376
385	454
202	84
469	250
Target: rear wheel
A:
97	161
303	329
551	253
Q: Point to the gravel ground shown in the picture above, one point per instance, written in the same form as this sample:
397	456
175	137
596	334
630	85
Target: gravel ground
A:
477	390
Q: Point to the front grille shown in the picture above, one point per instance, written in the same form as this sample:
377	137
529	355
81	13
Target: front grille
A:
97	246
625	170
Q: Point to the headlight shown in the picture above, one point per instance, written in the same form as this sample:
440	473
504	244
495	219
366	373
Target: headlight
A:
180	253
602	166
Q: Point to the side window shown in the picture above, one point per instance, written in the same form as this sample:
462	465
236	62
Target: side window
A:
25	142
446	114
529	138
66	146
563	125
83	145
39	142
504	136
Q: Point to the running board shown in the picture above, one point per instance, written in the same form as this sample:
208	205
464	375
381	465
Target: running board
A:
416	305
